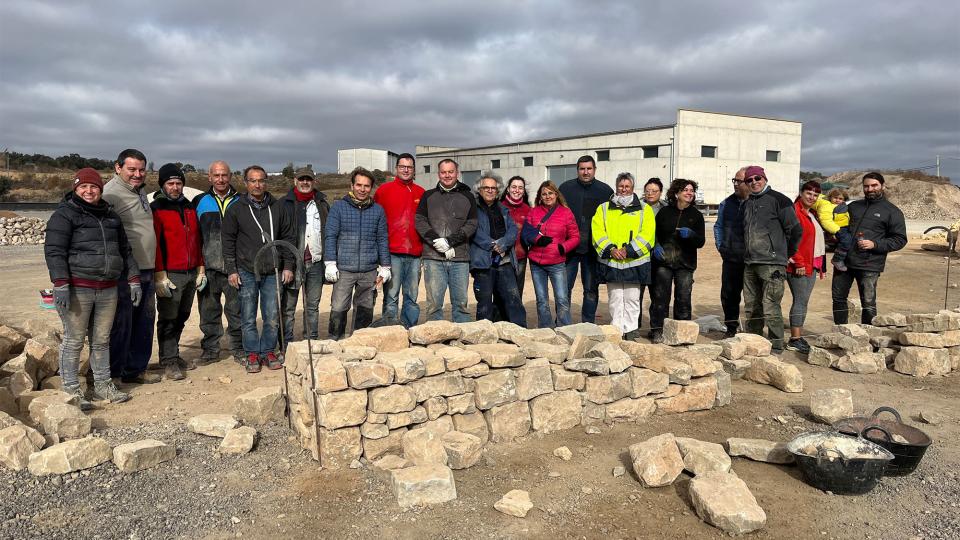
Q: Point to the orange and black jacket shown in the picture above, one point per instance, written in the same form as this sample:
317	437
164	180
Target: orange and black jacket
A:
178	234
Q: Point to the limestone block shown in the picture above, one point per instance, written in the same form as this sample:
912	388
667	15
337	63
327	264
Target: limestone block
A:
580	329
362	375
239	441
922	361
140	455
951	338
385	338
435	407
922	339
608	388
50	396
478	370
423	485
8	402
70	456
555	354
736	368
462	403
724	501
680	332
340	447
330	376
212	425
657	461
699	395
733	348
700	457
515	503
507	422
446	384
853	330
581	345
16	445
824	357
837	340
771	370
700	364
759	450
406	365
396	398
617	360
533	381
711	351
374	431
435	332
831	404
23	362
724	389
11	343
463	450
260	406
567	380
357	353
646	381
343	408
473	423
862	362
499	355
417	415
391	444
892	319
497	388
592	414
476	332
556	411
629	410
439	426
590	366
456	358
755	345
423	447
62	421
611	333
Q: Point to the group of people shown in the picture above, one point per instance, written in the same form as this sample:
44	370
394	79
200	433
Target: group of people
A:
123	263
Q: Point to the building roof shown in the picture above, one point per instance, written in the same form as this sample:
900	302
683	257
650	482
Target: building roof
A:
741	115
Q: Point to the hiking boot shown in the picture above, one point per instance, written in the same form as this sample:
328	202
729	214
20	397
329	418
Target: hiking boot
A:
208	357
140	378
631	335
253	363
107	391
798	344
731	332
656	336
172	371
82	400
240	358
186	365
272	362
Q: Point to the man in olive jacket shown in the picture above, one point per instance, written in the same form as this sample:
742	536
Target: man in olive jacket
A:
878	228
772	235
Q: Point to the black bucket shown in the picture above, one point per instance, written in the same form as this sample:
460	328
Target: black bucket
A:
836	472
906	456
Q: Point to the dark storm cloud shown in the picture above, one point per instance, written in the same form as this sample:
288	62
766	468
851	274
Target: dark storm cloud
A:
875	85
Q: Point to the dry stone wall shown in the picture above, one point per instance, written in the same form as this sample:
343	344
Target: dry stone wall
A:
436	393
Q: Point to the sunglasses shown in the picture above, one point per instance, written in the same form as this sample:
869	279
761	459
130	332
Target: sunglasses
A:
753	179
736	182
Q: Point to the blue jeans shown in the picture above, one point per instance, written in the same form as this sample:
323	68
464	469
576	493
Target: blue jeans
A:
406	275
587	264
498	286
313	287
263	293
131	338
90	316
442	274
557	275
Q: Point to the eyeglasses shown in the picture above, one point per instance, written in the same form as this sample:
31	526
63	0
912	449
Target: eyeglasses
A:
753	179
736	182
651	191
489	188
404	167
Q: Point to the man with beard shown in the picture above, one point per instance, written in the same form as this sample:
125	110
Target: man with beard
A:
878	228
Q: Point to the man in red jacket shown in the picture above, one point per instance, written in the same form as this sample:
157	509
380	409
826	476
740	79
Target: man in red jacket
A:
399	200
179	267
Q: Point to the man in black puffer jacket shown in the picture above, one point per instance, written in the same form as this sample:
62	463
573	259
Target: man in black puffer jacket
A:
878	228
771	236
728	235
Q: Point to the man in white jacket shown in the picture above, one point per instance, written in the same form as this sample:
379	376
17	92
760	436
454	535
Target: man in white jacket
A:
307	210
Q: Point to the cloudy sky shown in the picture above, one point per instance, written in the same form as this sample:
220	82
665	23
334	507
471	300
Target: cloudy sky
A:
876	84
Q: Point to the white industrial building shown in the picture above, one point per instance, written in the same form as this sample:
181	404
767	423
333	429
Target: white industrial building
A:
703	146
368	158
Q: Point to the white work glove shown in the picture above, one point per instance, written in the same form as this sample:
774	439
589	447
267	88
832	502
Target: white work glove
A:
164	285
441	245
201	278
330	272
449	254
383	272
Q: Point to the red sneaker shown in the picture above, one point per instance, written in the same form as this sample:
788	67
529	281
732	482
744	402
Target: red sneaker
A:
253	363
273	362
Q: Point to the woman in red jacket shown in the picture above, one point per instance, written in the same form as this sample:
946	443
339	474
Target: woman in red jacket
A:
804	265
515	199
550	232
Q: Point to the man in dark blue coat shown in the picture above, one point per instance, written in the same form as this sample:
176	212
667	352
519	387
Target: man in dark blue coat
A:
728	235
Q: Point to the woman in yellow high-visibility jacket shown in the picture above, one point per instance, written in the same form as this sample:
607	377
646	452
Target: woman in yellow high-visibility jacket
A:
623	235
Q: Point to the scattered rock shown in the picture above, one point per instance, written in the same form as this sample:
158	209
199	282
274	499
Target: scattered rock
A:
70	456
724	501
700	457
238	440
140	455
423	485
260	406
515	503
760	450
463	450
831	404
680	332
212	425
563	453
657	461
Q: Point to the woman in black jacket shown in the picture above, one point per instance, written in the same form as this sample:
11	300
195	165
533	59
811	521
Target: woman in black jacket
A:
86	251
680	233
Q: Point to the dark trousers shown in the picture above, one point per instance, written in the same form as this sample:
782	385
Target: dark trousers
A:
866	285
498	286
212	311
731	290
665	279
587	265
172	314
131	338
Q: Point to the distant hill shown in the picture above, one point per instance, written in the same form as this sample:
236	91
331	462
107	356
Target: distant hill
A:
919	196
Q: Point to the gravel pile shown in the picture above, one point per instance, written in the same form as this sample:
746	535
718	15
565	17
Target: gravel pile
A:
193	495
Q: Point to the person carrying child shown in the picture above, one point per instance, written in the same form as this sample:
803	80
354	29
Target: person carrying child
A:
831	210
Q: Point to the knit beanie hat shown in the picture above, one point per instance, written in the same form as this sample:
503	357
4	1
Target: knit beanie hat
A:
87	175
171	172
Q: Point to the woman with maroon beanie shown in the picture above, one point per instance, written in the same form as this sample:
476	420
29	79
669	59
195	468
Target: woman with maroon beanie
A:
86	251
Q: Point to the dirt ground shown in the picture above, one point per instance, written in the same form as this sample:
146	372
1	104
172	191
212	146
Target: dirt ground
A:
578	498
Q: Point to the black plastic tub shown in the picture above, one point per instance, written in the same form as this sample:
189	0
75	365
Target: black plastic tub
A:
839	463
906	455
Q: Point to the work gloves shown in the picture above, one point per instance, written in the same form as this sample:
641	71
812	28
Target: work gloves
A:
441	245
61	298
383	272
450	254
201	278
543	240
136	294
330	272
685	232
658	252
165	287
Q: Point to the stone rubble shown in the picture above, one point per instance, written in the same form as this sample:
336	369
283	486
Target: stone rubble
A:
831	404
515	503
724	501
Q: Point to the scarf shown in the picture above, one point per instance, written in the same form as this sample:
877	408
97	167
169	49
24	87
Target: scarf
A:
622	200
513	202
99	209
358	203
304	197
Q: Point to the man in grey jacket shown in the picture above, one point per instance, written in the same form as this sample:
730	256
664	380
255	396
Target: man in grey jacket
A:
446	220
771	236
131	339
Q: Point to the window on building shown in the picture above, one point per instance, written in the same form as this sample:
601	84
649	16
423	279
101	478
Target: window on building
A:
708	151
773	155
603	155
426	168
469	177
494	163
528	161
651	152
560	173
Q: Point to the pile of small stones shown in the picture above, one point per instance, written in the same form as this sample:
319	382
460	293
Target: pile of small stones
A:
18	231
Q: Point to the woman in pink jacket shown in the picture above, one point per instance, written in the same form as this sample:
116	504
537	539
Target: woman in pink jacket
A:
550	231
